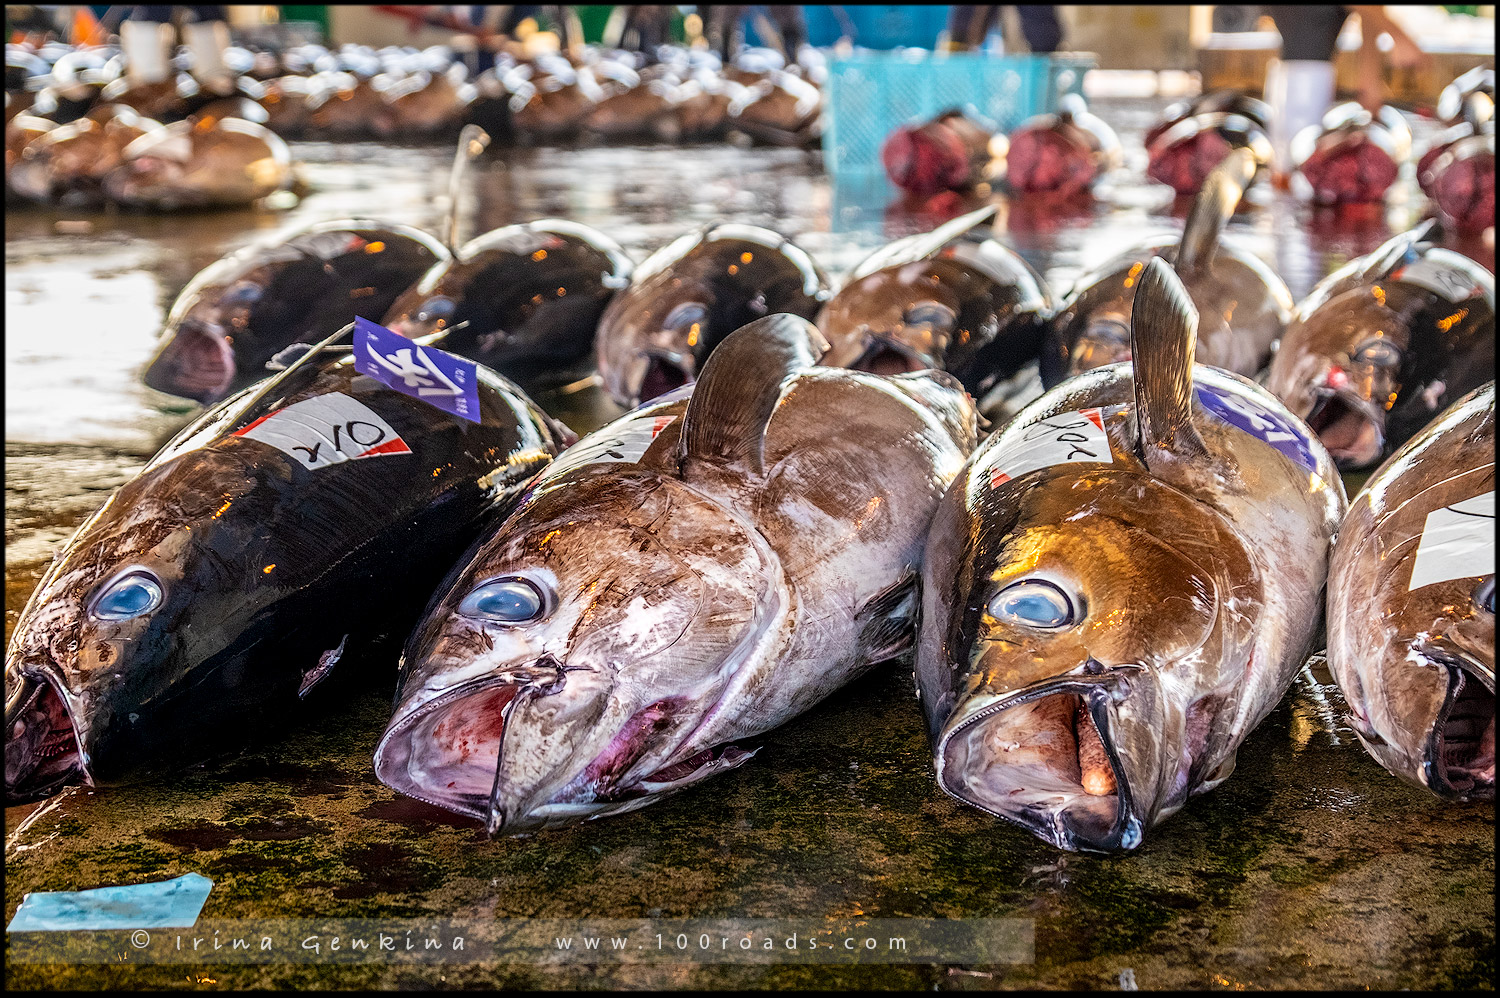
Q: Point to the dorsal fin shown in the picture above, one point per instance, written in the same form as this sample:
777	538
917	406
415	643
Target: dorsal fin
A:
1163	334
910	249
725	423
1212	208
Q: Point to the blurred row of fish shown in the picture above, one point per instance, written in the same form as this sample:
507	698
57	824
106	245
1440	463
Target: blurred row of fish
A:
1105	597
309	92
1351	157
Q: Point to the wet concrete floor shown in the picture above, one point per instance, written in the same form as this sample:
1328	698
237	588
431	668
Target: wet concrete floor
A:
1311	867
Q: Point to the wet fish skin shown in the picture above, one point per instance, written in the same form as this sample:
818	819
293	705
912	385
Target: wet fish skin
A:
1417	666
975	309
265	568
1192	563
1242	305
702	585
719	278
531	295
1384	344
201	164
238	313
71	161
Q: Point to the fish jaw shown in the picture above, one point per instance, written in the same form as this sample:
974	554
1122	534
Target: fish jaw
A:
1459	763
1349	425
42	750
194	361
1074	761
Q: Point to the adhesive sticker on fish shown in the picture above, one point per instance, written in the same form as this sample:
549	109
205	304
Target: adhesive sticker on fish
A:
448	382
1458	542
1259	420
624	442
326	430
1070	437
1437	278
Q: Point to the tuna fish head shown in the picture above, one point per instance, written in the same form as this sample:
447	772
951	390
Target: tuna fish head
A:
896	320
1340	369
110	663
196	358
1086	615
517	712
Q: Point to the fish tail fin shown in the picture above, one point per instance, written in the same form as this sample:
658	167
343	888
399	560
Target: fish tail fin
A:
1212	208
741	384
1163	336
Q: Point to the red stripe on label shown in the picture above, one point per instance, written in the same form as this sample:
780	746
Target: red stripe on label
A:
660	423
246	429
1094	417
998	478
397	446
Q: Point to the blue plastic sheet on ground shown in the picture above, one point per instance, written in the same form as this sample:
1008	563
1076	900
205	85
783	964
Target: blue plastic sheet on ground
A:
168	904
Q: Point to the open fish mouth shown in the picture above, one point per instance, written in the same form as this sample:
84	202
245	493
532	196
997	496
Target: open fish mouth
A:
1046	760
663	375
1460	758
1352	429
41	743
448	753
884	357
196	364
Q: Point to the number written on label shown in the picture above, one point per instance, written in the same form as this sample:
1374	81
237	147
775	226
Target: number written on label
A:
326	430
1066	438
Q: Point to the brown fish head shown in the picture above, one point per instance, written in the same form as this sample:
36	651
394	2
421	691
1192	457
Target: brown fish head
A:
893	321
1340	369
513	706
1084	619
196	358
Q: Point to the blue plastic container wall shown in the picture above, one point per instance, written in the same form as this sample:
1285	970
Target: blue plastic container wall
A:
870	94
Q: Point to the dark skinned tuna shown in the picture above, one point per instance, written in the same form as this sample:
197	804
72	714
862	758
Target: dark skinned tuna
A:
1120	586
1411	606
1385	343
239	312
692	293
526	298
283	530
693	574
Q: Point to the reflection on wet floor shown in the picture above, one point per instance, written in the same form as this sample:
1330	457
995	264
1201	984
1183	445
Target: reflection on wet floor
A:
1310	867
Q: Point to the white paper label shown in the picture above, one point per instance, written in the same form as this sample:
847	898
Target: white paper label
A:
327	430
1067	438
1458	542
621	442
1449	282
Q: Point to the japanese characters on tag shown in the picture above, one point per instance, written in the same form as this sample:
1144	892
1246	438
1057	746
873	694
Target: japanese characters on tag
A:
448	382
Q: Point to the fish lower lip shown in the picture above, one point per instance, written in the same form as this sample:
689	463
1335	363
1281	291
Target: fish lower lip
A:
1045	760
1460	759
662	376
1349	428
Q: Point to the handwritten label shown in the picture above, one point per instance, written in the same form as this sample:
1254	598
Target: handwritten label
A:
448	382
326	430
1255	417
1450	282
1066	438
1458	542
621	442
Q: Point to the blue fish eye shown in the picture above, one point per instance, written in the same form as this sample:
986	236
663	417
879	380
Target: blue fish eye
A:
686	315
435	308
129	596
508	600
1033	603
930	313
1377	352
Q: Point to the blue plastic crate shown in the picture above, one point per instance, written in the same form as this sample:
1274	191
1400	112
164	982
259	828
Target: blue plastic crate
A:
870	94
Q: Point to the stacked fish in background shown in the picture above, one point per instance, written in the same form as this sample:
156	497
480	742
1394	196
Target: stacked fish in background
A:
1104	599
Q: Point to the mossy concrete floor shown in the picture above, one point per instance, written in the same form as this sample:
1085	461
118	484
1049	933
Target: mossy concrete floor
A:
1310	867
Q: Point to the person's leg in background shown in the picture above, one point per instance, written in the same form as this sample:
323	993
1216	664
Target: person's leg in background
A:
1300	84
791	24
1040	27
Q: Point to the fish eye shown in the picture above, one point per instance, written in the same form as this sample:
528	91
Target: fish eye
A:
436	308
1378	352
930	313
1485	595
1033	603
243	293
508	600
1111	331
132	594
687	314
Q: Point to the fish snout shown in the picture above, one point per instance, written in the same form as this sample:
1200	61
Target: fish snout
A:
1459	758
889	353
41	745
195	362
1350	425
661	372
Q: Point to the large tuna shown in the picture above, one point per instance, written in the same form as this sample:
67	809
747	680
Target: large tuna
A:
1411	606
238	313
692	293
690	576
1120	586
284	529
1385	343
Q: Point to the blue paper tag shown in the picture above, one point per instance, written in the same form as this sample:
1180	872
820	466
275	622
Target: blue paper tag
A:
1249	414
448	382
165	905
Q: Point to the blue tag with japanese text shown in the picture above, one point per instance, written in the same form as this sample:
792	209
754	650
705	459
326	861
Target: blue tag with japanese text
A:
448	382
1246	412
